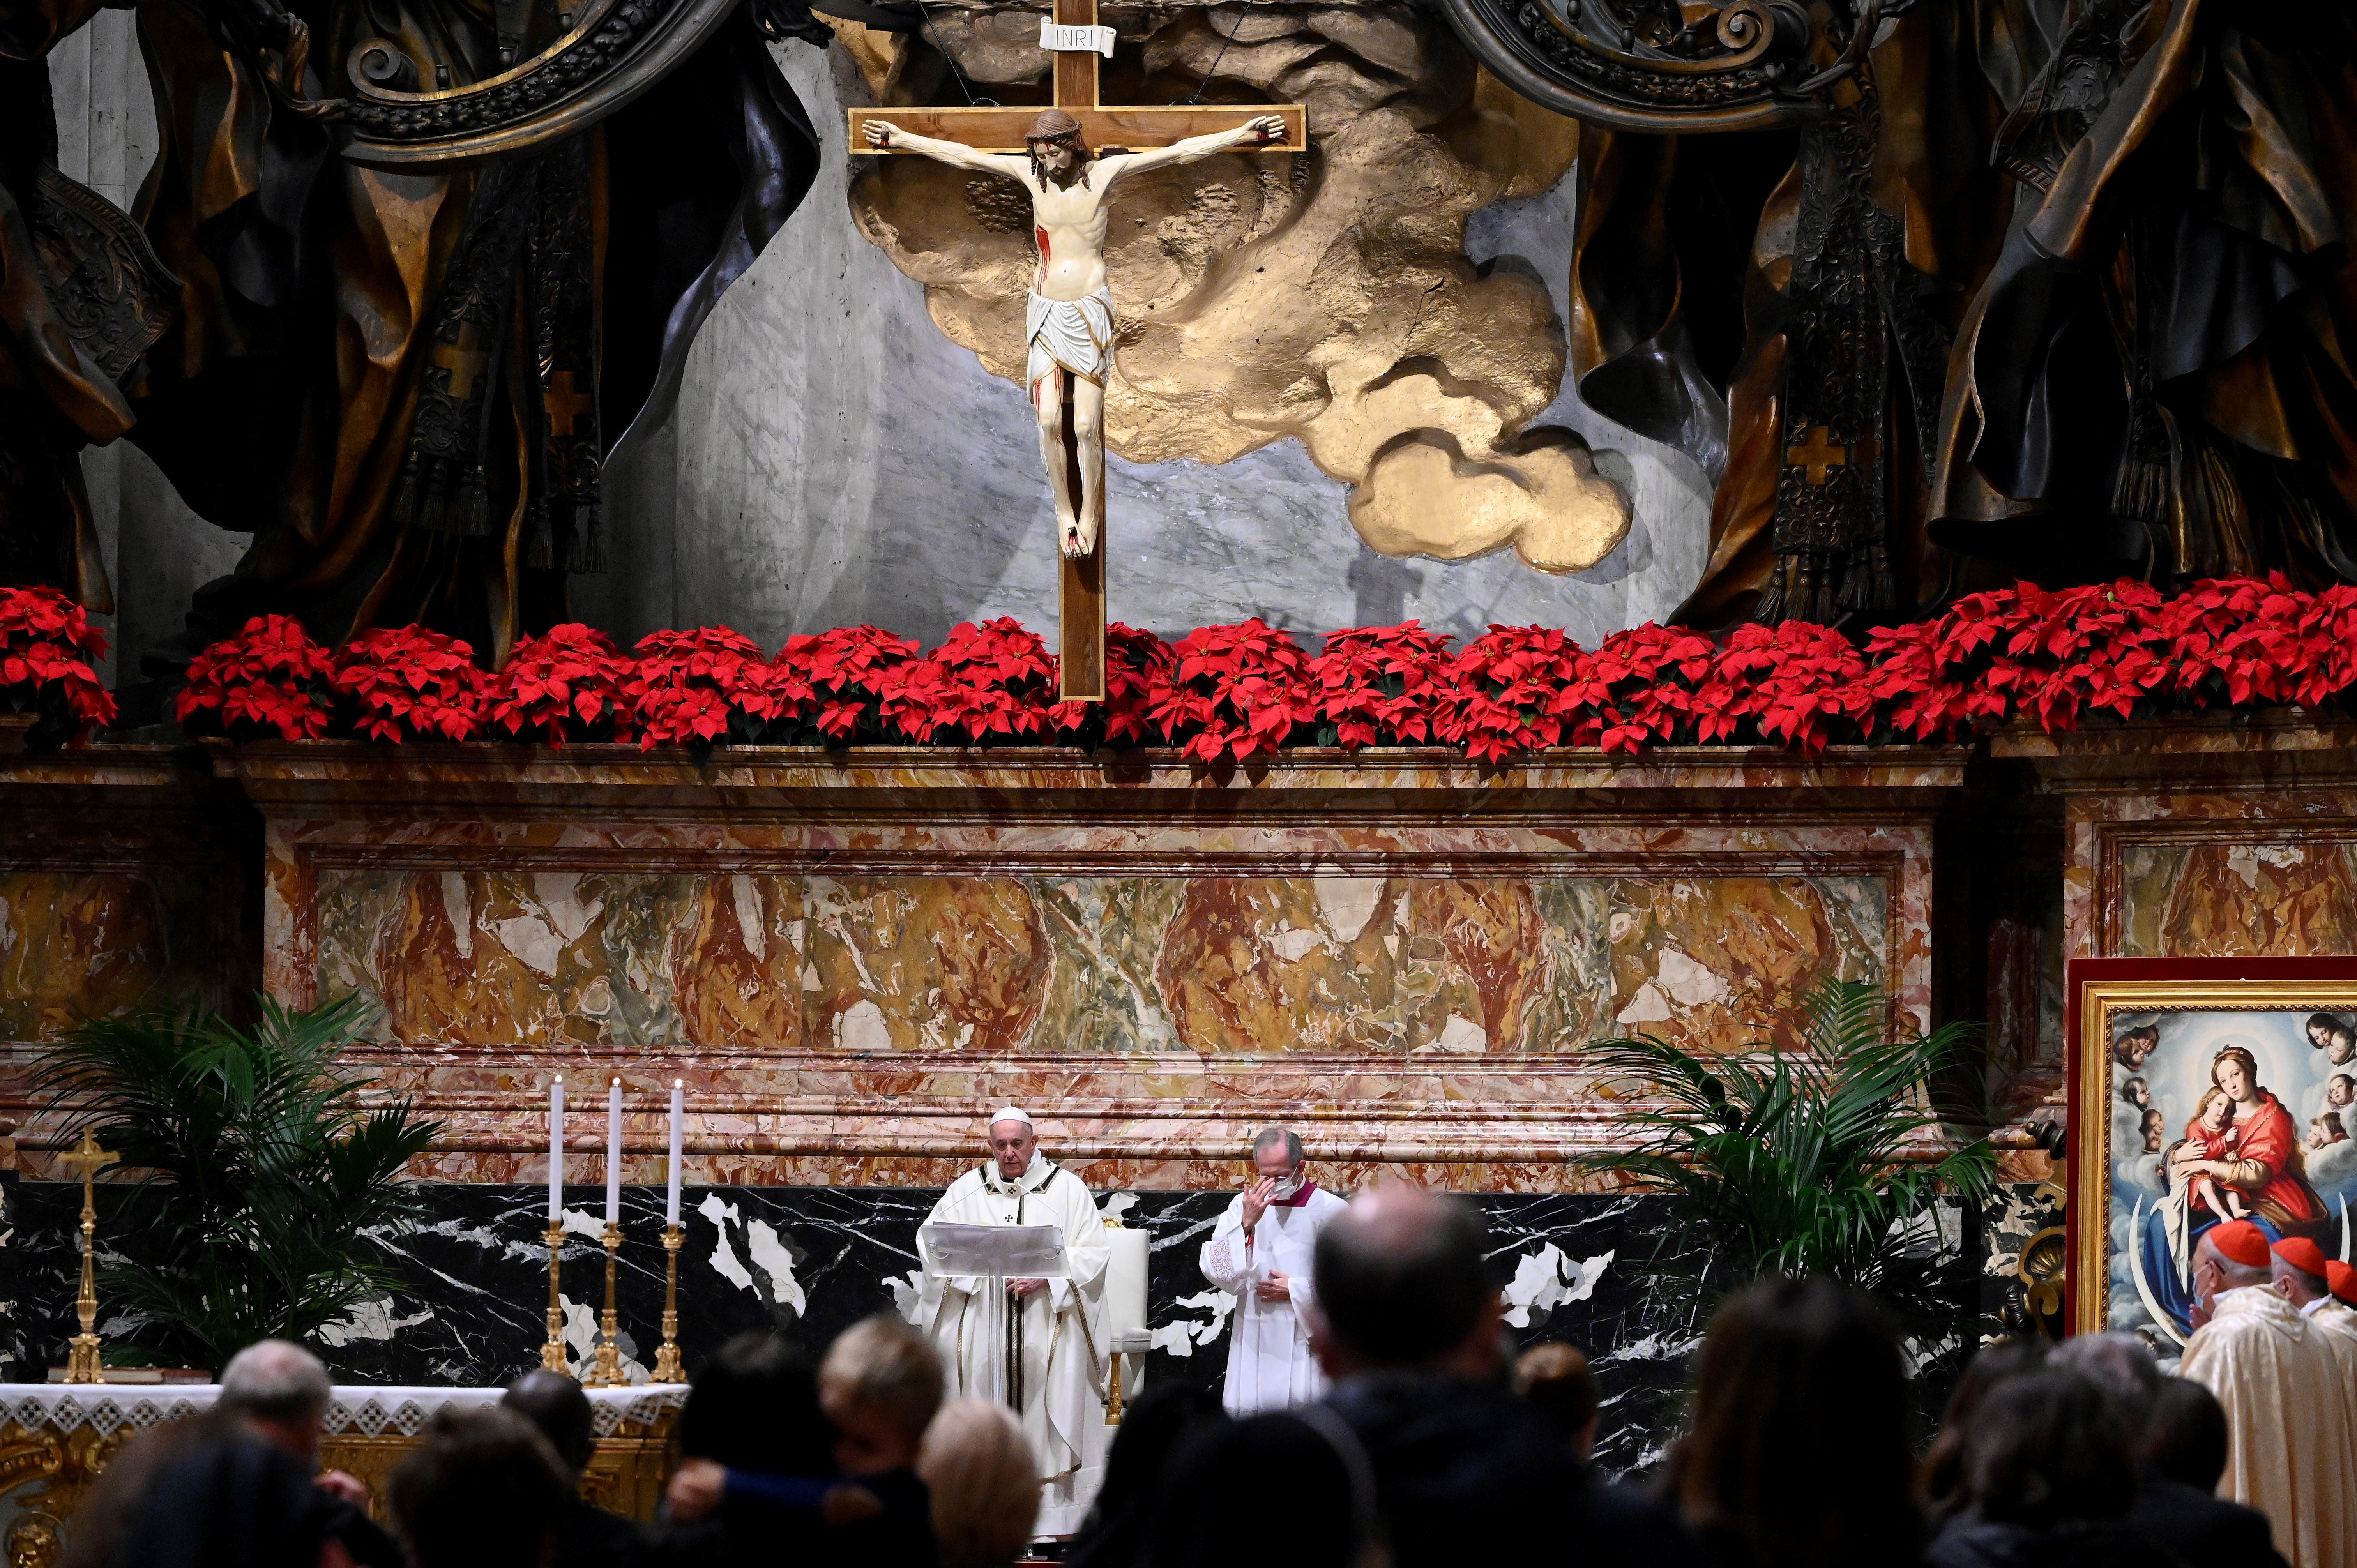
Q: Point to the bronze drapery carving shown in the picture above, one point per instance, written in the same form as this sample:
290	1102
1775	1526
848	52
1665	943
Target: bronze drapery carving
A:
81	297
2052	287
418	265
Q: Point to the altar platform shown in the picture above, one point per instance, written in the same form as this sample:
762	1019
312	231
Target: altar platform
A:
55	1438
847	954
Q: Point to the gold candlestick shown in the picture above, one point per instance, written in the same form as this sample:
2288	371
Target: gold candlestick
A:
607	1371
552	1354
82	1360
668	1368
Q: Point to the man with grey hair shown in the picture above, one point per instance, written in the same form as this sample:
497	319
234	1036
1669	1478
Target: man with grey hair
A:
281	1392
1260	1253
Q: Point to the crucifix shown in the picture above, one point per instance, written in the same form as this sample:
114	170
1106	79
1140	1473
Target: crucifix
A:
81	1358
1069	325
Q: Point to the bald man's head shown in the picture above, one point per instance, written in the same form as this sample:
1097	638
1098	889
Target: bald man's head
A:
1402	1279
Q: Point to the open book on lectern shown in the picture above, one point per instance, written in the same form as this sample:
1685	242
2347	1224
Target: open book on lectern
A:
995	1251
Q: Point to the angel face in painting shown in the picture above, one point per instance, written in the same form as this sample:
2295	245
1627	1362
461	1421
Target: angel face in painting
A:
2130	1049
2156	1128
2339	1091
2137	1092
2326	1129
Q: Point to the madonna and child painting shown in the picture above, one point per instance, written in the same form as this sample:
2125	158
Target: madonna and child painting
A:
2219	1115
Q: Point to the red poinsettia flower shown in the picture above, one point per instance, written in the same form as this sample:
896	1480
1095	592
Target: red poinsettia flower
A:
844	672
984	681
1501	691
48	653
564	684
1232	691
408	682
702	687
1381	685
270	679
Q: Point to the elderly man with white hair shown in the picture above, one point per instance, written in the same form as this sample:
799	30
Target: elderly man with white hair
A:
1036	1346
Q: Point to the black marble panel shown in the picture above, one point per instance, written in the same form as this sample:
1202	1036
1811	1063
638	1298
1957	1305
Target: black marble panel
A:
471	1304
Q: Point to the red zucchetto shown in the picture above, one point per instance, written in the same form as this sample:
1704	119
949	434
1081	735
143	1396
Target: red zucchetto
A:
2239	1241
2343	1279
2302	1254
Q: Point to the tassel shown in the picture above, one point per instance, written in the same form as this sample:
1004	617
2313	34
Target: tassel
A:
576	557
537	550
404	507
435	515
594	551
474	504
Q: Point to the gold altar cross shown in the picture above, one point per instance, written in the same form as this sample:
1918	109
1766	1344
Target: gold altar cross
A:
565	405
82	1353
1816	455
465	360
1081	617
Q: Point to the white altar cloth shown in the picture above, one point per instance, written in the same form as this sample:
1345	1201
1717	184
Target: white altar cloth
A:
370	1411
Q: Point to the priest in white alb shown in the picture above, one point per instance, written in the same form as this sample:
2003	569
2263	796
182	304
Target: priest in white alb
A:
1260	1252
1037	1345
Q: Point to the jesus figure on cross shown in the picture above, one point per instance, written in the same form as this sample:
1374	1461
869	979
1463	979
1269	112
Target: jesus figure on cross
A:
1069	322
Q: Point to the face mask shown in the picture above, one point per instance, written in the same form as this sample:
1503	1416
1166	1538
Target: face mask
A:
1286	1188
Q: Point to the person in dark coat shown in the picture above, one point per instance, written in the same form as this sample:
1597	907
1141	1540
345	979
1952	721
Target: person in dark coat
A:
587	1535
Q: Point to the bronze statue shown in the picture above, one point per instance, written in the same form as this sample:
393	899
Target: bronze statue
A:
427	261
2048	287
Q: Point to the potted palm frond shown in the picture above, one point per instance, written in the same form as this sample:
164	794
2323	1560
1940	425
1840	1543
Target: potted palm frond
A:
263	1162
1828	1160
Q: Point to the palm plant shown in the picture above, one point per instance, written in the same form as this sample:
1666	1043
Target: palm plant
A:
264	1163
1809	1162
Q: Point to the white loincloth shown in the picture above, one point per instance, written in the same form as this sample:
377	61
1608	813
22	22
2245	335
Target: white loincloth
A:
1073	335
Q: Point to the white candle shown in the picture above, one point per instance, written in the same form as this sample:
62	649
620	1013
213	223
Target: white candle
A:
556	1151
614	1153
678	1099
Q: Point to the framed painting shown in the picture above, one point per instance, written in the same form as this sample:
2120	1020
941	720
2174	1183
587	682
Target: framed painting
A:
2203	1090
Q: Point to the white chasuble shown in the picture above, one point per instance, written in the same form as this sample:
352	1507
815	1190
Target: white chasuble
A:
2291	1454
1061	1329
1269	1364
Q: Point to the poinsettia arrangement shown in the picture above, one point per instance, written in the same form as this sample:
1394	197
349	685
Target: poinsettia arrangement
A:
698	688
48	651
564	684
408	683
1230	694
271	681
984	684
1503	692
1379	685
849	671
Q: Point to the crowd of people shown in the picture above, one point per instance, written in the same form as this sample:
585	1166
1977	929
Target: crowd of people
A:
1435	1443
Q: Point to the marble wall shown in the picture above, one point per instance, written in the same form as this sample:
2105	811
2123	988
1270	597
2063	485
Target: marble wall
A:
835	458
126	875
848	957
470	1300
2221	836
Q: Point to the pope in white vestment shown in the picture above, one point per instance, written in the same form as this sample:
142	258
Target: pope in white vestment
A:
1262	1251
1061	1370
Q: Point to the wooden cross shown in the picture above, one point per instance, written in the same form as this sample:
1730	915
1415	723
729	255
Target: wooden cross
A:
565	405
1072	31
465	360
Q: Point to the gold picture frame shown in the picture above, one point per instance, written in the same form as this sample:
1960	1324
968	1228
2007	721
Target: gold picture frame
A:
2168	1030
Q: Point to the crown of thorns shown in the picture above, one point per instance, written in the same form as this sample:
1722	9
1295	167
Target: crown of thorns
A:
1053	125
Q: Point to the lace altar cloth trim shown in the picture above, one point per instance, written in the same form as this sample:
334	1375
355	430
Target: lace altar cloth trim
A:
368	1411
